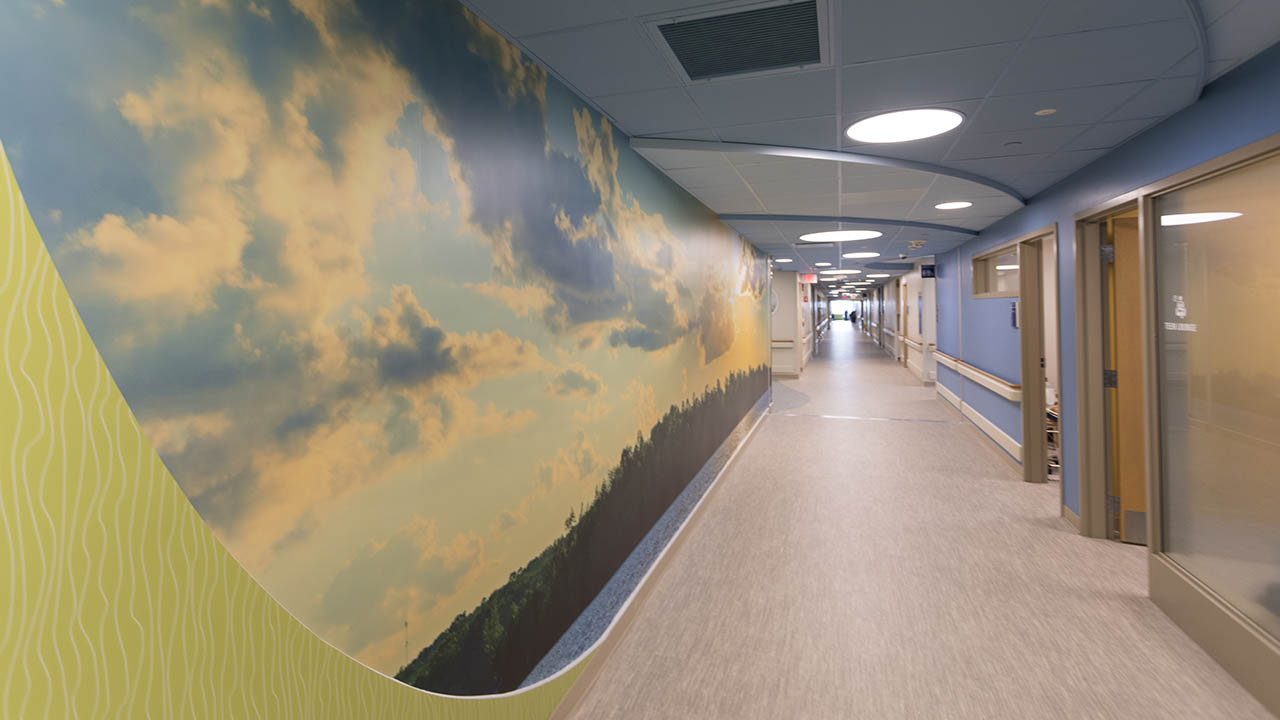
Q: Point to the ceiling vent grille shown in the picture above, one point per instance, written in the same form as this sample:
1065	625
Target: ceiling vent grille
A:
750	41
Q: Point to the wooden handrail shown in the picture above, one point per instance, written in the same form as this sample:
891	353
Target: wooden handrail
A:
998	385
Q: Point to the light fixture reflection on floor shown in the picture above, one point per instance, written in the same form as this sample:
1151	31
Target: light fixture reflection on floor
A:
841	235
904	125
1194	218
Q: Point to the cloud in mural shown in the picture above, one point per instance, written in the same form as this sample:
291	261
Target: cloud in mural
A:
576	380
396	580
715	324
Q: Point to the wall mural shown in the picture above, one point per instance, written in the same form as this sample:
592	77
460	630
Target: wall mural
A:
420	338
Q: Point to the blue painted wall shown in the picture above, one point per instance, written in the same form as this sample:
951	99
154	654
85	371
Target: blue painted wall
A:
1239	108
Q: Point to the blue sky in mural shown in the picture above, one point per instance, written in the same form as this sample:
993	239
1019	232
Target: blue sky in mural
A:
387	300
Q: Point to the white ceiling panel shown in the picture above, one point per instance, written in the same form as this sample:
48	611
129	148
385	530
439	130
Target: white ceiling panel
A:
727	103
1006	168
785	169
521	17
819	133
923	79
1211	10
652	111
677	159
1098	57
701	134
1108	134
853	183
876	30
1159	99
720	176
1075	106
727	200
1244	30
1079	15
621	59
1013	142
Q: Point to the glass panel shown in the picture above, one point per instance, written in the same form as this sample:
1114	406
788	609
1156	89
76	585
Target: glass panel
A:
1218	291
1004	268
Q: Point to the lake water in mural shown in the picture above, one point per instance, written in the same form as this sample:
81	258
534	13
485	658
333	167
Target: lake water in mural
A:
424	343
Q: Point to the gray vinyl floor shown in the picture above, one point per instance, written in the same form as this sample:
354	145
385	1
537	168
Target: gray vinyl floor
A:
871	555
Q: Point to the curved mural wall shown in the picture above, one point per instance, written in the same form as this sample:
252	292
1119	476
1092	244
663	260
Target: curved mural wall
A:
425	345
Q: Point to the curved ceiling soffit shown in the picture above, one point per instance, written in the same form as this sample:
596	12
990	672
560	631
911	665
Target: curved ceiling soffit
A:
642	143
766	217
1202	42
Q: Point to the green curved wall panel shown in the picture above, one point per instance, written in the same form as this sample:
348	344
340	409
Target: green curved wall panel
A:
117	600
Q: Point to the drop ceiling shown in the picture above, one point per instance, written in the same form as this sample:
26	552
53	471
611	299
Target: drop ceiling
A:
769	153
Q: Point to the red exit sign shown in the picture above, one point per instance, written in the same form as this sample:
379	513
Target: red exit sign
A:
809	278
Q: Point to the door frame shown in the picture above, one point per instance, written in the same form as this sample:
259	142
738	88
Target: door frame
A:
1246	651
1031	341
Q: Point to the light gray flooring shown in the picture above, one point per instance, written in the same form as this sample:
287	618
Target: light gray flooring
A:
886	569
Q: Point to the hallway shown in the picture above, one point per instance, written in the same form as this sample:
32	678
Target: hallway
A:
870	555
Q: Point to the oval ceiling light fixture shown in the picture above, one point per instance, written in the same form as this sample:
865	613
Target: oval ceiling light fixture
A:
841	235
822	264
956	205
904	125
1195	218
860	255
879	275
834	271
782	259
1044	112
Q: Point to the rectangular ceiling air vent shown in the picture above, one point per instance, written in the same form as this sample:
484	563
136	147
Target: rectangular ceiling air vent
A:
750	41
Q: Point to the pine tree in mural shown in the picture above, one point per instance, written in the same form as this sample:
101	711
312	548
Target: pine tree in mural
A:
495	646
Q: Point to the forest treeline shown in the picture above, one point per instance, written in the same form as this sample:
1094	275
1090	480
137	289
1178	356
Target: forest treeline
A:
495	646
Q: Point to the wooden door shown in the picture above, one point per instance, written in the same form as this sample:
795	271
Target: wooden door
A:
1128	464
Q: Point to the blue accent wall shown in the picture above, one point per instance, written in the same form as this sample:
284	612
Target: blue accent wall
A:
1240	108
947	288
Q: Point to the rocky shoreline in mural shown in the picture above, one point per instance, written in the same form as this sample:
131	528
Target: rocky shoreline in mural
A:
494	647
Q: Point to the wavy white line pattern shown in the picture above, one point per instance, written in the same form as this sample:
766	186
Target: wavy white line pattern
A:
118	602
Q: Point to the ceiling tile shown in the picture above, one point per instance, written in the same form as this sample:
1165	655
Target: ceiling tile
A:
727	200
787	169
521	17
819	133
875	30
722	177
1013	142
1218	68
621	59
1079	15
675	159
1108	134
804	94
1211	10
1245	30
1160	98
702	134
1098	57
923	79
1076	106
855	182
652	111
1006	168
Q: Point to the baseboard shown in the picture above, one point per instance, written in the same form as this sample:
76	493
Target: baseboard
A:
1000	437
1071	516
604	647
1243	649
949	396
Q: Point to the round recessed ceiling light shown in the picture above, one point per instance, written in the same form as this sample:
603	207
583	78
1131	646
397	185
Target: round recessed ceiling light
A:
860	255
955	205
782	259
1194	218
841	235
879	275
904	125
1046	111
